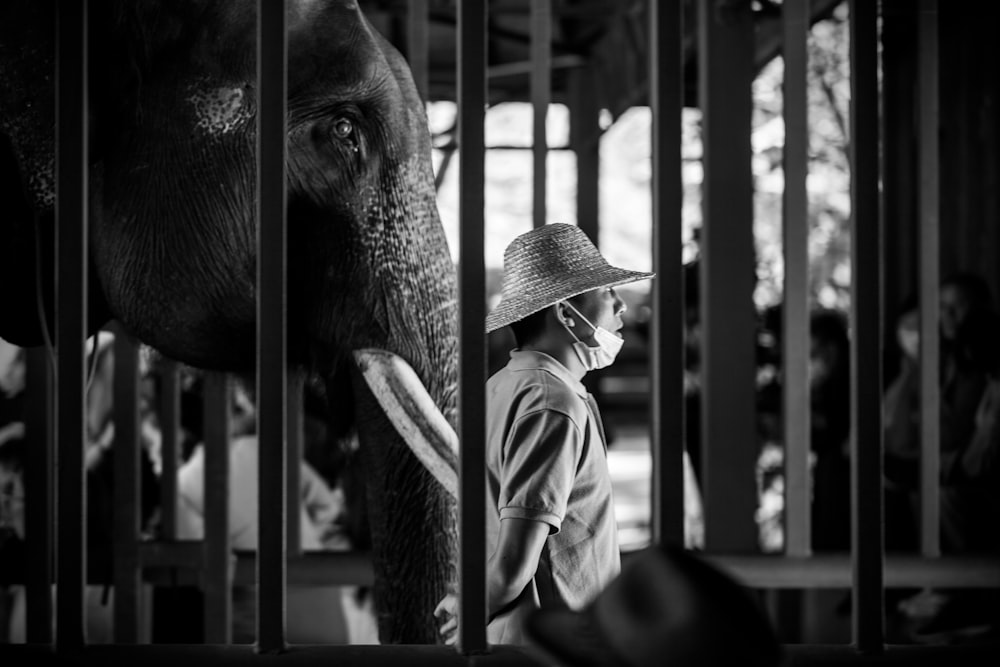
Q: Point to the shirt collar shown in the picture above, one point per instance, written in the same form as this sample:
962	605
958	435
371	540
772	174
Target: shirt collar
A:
524	360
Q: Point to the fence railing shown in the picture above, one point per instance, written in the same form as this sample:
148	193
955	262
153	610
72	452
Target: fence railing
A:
279	564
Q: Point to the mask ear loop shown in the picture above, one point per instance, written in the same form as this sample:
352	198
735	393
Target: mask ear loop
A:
580	315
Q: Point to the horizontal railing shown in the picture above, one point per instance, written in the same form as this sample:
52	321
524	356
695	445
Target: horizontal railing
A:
214	566
182	564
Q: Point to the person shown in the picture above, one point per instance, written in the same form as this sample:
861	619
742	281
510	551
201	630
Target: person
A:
830	426
550	521
965	310
316	614
969	510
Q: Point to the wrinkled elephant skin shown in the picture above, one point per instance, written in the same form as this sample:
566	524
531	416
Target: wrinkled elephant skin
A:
172	236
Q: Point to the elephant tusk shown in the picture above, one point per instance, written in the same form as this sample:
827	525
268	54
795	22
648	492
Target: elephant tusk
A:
413	413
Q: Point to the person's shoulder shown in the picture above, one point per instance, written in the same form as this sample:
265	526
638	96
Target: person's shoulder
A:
538	389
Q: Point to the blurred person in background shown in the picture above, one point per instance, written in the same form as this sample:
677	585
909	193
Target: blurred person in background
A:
830	429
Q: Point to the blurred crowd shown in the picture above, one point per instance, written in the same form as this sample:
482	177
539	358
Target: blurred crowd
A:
333	509
331	517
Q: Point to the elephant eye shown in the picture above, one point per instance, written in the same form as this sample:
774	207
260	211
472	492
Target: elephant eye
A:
343	132
343	128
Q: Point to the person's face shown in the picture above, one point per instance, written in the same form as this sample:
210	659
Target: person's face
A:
955	306
820	361
908	334
603	308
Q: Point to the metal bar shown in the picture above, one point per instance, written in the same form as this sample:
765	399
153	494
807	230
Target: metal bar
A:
217	569
167	655
472	340
71	311
330	568
39	493
417	44
835	571
127	494
272	315
795	321
541	93
866	351
585	134
179	563
666	88
522	67
929	240
180	554
409	655
170	427
728	374
293	464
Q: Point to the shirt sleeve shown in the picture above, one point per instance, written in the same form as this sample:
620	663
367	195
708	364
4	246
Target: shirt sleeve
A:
541	455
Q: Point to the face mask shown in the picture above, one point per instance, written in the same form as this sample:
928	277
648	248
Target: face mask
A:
608	345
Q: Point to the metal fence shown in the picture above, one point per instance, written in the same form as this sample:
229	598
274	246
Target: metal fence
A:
730	540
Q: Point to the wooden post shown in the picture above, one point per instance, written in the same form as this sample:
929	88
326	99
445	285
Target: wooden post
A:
71	315
417	45
217	570
929	272
541	84
729	442
585	140
170	426
272	335
38	490
666	89
866	350
127	490
795	321
294	447
472	337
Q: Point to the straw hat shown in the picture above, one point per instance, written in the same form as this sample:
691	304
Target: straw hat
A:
667	607
547	265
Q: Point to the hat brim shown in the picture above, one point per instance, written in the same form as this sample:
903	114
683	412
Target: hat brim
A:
538	297
571	638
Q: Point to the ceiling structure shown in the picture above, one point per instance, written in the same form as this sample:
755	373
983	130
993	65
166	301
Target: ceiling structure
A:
609	35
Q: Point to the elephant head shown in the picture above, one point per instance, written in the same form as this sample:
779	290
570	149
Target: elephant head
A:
172	236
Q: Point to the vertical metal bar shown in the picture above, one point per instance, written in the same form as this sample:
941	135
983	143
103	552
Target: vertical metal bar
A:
38	490
417	45
294	449
795	324
729	451
541	91
585	137
866	351
217	572
666	87
472	317
170	426
272	339
930	206
71	310
127	495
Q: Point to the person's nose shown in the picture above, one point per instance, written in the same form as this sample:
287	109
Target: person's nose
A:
620	305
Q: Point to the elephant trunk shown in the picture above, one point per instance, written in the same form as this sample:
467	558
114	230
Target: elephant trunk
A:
412	518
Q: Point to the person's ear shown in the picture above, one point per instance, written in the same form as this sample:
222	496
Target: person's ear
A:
562	315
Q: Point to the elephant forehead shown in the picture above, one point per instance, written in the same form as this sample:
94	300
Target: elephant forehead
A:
219	109
36	160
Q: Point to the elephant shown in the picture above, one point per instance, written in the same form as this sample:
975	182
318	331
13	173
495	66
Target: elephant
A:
172	251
